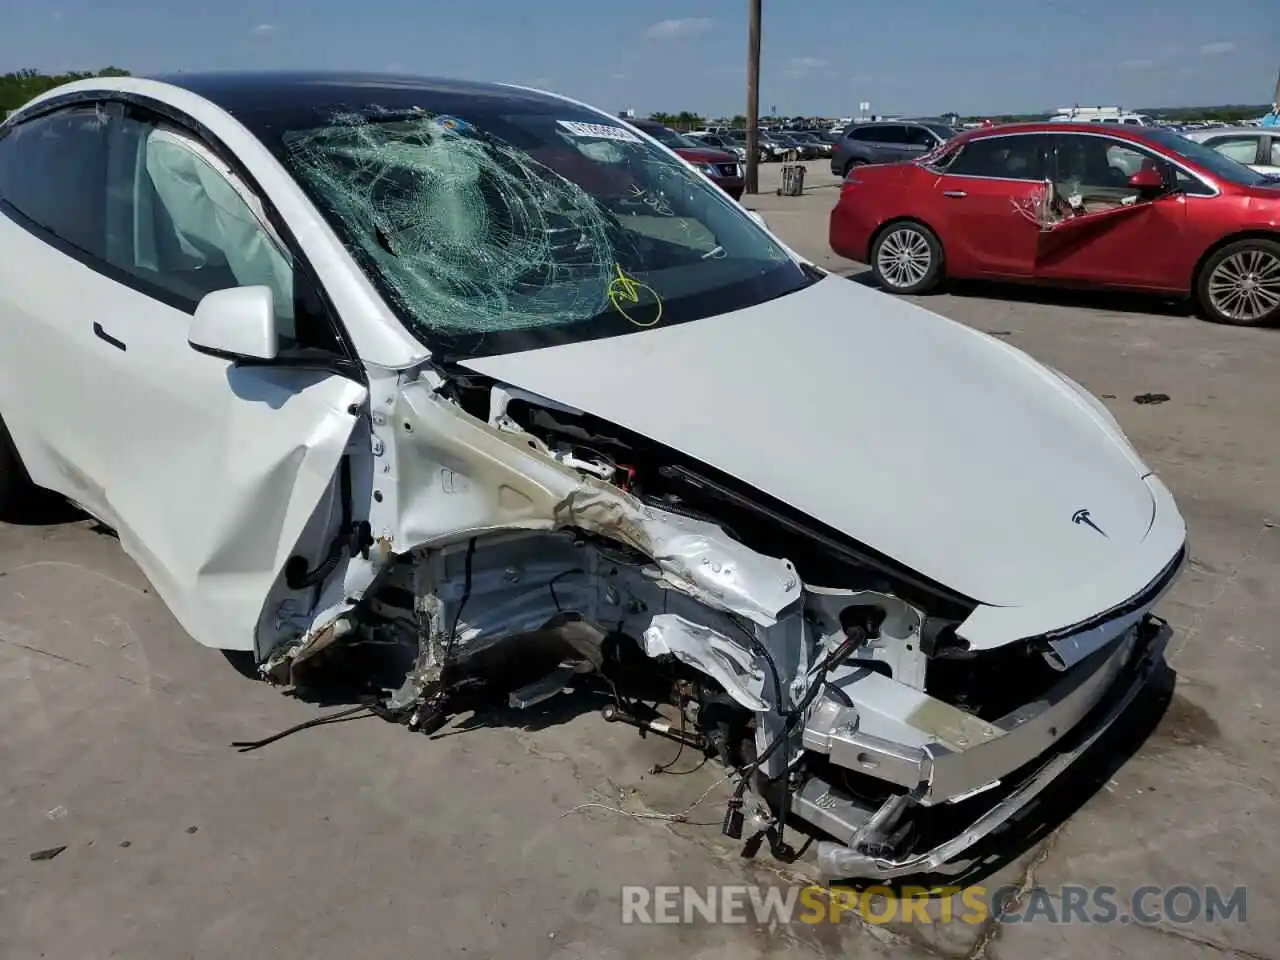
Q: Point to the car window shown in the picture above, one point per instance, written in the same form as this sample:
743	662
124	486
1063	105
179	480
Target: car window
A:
154	209
52	172
178	221
1088	163
919	136
1192	186
940	157
1125	159
1224	168
890	133
1240	149
1275	151
868	132
1008	158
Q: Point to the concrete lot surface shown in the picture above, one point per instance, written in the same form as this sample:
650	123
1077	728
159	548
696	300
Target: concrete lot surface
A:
358	839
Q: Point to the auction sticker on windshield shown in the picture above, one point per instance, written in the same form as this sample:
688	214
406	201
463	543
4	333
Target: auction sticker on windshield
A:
599	131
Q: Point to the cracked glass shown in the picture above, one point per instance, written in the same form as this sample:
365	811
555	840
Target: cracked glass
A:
520	224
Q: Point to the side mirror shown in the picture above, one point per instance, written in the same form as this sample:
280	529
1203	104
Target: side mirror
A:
1147	179
238	324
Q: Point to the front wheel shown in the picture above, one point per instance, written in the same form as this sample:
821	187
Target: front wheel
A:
907	258
1240	284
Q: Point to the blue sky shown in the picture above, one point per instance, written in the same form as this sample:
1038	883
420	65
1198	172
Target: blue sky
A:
820	56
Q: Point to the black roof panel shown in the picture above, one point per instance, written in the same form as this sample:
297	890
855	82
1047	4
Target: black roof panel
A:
249	95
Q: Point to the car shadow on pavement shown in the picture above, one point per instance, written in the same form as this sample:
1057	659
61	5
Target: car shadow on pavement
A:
485	705
1105	301
45	509
1109	301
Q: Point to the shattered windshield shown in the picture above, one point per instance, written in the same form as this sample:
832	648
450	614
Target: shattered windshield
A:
520	224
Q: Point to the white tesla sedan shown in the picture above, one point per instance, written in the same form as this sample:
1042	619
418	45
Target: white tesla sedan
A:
468	368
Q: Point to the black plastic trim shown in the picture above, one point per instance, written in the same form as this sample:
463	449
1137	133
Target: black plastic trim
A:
100	332
1139	600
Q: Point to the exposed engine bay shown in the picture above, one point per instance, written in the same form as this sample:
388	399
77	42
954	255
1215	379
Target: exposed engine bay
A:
830	681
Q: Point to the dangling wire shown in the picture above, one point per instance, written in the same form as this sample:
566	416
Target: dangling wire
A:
351	713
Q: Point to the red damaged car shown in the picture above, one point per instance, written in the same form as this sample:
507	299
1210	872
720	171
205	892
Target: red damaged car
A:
1068	204
724	169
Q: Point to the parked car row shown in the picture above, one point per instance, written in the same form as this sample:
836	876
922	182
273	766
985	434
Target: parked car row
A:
722	167
1140	208
809	145
719	142
771	146
733	141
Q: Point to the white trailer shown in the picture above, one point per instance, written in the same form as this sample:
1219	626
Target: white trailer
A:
1078	114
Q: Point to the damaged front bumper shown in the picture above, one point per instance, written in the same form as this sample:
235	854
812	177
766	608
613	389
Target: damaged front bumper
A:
1001	773
493	553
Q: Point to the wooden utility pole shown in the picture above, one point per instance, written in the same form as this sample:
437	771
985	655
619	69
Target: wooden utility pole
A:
753	98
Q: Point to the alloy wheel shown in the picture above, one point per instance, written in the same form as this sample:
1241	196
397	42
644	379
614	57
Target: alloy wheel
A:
1246	285
904	257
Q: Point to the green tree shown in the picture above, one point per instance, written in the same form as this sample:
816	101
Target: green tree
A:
684	120
19	86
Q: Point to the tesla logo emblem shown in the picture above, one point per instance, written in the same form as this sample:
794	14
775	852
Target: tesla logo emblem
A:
1082	516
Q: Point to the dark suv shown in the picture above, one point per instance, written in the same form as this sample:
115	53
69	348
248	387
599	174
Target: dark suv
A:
882	141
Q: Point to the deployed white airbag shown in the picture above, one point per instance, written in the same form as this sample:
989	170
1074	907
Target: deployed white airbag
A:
216	225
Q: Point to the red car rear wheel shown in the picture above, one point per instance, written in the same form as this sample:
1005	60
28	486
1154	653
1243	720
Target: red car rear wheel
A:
906	257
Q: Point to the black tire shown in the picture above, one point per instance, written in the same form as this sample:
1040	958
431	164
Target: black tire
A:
853	163
917	253
17	493
1239	284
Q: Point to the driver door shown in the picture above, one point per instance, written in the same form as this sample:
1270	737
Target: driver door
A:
1121	236
987	202
216	469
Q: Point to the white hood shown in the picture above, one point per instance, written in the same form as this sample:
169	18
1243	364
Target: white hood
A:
939	446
